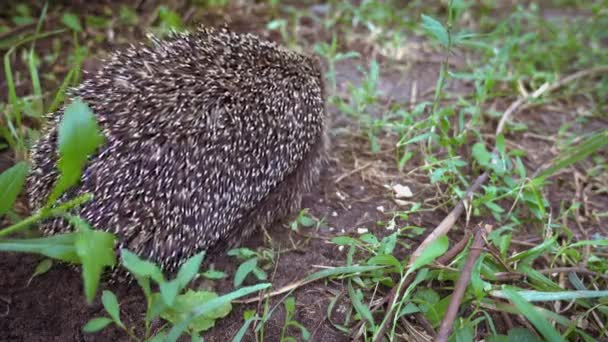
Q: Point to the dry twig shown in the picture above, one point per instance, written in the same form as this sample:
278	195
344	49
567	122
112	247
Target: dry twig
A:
461	285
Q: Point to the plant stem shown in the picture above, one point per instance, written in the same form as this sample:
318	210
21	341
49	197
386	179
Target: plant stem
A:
45	213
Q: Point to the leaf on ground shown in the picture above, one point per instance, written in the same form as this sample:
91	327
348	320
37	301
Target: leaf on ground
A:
531	313
96	324
185	303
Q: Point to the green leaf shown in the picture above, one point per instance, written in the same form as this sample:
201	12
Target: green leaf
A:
214	274
42	267
11	183
388	243
79	136
189	269
306	221
535	251
169	291
72	21
243	270
481	155
170	19
356	298
523	335
344	240
96	324
59	247
435	29
141	268
539	296
211	305
430	253
242	253
386	259
96	251
409	309
243	330
186	302
110	303
531	313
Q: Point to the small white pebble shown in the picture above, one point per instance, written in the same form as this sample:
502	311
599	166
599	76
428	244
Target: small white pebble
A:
362	231
343	231
341	248
402	191
331	229
401	203
334	214
339	194
380	208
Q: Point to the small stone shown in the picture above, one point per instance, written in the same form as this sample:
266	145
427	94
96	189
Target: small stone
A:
402	191
362	231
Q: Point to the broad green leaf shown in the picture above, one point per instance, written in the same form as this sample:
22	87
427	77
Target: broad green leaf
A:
96	324
388	243
110	303
244	269
170	19
306	221
386	259
430	253
96	251
344	240
409	309
435	29
141	268
59	247
11	183
481	155
185	303
169	291
79	136
72	21
531	313
211	305
189	269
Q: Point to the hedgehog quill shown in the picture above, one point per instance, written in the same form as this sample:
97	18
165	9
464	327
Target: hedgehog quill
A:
210	135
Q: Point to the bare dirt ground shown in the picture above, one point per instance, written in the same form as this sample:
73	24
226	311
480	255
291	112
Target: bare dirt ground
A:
52	307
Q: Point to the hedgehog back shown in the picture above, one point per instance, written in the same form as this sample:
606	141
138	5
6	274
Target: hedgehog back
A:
200	128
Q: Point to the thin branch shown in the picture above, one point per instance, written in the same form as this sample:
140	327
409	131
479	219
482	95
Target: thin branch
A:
461	285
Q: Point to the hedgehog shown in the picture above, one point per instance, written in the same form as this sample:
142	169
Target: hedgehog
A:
210	135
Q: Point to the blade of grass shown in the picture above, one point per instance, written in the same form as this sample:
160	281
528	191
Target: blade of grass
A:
530	312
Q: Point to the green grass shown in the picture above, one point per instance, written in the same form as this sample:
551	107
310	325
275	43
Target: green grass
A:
447	138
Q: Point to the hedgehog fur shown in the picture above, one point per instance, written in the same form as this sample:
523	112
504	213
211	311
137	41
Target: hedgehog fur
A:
209	136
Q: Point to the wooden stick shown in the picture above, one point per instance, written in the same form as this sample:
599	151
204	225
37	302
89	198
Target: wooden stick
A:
461	285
